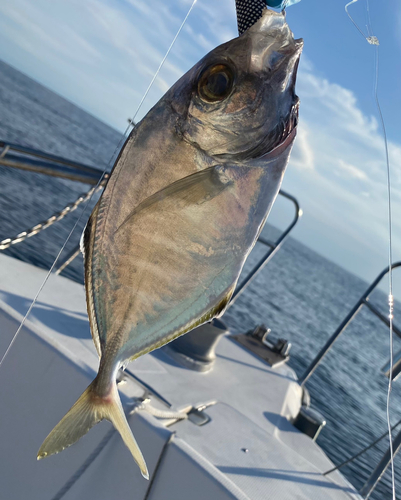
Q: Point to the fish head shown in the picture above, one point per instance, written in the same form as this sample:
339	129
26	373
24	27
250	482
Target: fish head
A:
241	103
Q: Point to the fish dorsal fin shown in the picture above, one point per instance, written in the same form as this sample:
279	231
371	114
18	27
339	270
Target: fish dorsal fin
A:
194	189
87	246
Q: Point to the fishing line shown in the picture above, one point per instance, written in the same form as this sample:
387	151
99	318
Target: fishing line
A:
85	206
374	41
353	22
164	59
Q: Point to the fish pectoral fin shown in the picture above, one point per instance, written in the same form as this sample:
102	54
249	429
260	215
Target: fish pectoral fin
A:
86	412
194	189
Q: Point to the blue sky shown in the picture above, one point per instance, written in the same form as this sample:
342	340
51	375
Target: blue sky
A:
101	55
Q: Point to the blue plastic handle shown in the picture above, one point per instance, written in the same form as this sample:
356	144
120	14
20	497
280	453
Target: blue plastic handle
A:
280	4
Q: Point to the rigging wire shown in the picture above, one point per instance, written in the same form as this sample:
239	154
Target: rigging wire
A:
374	41
361	452
85	206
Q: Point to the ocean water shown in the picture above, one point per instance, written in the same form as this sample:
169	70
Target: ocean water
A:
300	295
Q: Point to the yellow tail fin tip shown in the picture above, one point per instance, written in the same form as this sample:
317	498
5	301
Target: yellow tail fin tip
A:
85	413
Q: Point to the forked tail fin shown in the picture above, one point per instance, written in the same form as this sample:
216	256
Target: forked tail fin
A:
86	412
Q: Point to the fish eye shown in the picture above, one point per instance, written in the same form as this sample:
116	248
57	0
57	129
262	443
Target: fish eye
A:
215	83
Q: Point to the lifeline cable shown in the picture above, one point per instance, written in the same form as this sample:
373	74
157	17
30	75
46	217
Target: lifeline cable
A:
374	41
361	452
83	210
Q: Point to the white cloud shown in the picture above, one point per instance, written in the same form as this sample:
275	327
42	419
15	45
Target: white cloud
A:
302	155
351	171
346	191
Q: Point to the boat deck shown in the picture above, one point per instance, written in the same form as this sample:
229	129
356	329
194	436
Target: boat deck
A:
248	449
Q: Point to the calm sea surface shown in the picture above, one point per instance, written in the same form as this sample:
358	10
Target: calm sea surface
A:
300	295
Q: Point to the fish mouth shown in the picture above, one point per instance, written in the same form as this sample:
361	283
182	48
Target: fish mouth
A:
283	134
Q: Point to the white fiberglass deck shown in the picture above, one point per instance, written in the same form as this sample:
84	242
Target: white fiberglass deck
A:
54	359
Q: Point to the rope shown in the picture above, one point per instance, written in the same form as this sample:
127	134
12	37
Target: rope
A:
49	273
144	405
6	243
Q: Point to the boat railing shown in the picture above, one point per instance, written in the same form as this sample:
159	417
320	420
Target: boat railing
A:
363	301
382	466
24	158
21	157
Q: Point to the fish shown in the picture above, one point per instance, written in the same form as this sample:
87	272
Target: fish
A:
184	205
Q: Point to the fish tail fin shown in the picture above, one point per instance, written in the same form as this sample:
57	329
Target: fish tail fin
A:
115	413
86	412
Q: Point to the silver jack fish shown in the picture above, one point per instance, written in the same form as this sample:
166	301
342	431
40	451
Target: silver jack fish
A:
184	205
